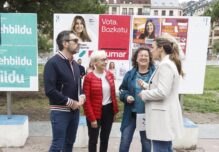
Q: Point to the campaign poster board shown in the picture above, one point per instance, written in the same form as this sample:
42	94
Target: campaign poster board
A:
18	52
191	33
110	33
67	22
114	38
194	62
107	32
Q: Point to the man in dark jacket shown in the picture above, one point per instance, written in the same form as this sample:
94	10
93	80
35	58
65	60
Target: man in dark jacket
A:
81	67
62	87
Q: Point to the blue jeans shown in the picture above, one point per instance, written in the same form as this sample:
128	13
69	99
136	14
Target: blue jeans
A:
162	146
64	129
127	135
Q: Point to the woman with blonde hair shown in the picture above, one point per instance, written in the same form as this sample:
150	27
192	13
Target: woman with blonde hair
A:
162	106
79	28
101	106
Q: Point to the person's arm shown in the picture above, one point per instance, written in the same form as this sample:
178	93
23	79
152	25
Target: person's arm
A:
50	80
124	93
88	109
113	96
164	86
83	71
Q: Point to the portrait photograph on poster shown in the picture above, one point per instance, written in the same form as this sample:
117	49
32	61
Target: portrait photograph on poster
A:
84	26
145	30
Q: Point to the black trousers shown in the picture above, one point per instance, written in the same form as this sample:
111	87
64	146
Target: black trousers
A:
104	127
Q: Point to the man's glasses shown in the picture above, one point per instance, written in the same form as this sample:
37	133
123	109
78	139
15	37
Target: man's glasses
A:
74	40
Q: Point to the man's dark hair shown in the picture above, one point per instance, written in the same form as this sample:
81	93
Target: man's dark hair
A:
62	36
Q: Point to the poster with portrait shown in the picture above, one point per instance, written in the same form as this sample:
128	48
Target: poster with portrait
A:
178	28
145	30
121	35
114	37
187	32
84	26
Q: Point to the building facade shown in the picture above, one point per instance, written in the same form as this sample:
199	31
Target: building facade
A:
127	7
143	7
196	8
165	8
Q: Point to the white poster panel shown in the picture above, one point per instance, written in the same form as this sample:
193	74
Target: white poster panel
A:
194	64
89	42
191	33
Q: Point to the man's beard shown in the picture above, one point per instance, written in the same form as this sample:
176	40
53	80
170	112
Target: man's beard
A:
74	50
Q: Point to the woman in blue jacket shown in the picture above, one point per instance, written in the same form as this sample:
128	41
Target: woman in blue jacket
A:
143	69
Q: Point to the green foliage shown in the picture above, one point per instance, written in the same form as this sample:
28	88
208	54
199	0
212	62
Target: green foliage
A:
213	11
35	104
209	100
40	69
212	79
216	46
44	43
46	8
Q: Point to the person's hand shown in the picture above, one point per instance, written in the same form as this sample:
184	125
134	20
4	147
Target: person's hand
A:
143	84
94	124
140	95
130	99
75	105
82	99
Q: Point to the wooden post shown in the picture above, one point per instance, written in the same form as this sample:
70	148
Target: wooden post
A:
9	105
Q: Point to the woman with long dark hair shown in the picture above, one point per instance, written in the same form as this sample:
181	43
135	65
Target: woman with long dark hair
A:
149	30
79	28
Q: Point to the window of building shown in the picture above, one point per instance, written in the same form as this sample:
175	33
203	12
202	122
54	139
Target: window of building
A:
155	12
146	11
131	11
163	13
124	11
216	33
171	13
107	11
210	34
210	42
139	11
114	10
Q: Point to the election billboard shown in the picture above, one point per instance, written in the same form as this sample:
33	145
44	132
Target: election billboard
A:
120	36
18	52
191	33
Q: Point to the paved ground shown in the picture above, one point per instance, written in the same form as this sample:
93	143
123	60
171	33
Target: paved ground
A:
40	138
41	144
